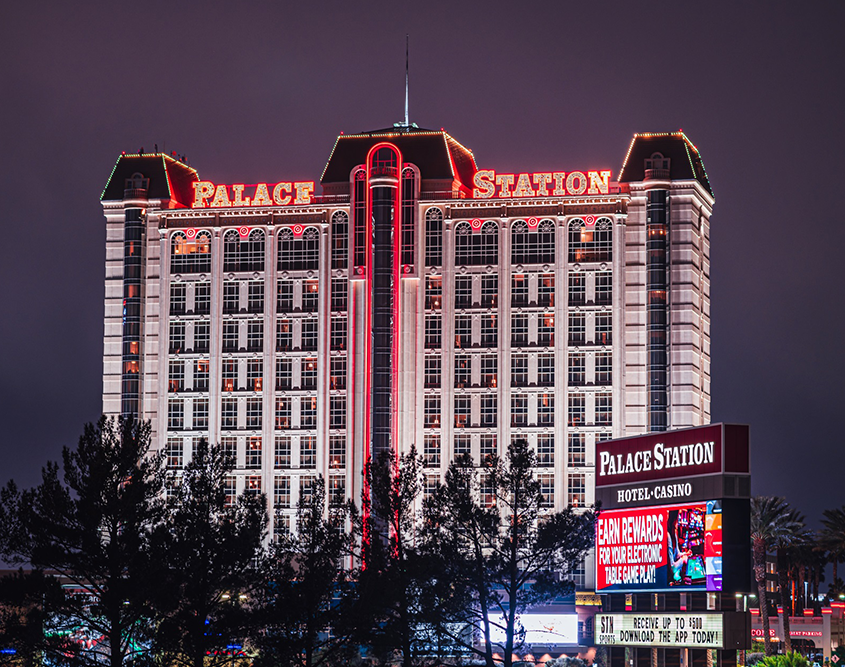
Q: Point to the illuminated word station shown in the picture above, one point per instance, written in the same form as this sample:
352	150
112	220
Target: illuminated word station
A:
406	296
673	547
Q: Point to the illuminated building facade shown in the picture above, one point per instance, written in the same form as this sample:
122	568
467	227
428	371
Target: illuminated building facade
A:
417	300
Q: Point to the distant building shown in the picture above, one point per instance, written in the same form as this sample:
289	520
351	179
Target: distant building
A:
417	300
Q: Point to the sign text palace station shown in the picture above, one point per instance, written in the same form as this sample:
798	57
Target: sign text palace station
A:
672	547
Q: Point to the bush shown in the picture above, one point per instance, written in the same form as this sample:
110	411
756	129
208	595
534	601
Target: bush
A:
786	660
752	659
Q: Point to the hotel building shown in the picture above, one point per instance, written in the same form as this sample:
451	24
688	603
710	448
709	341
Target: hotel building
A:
417	300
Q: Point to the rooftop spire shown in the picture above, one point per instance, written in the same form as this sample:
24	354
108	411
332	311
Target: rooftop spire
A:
406	79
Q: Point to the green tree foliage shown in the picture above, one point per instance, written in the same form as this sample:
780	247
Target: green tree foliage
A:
788	659
208	554
501	549
89	526
304	604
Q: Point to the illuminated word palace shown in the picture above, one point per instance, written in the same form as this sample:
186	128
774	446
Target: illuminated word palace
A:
406	297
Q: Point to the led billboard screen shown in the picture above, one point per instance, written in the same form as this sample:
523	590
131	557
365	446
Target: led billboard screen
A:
662	548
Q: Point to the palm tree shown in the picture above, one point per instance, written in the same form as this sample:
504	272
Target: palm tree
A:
833	536
769	518
787	539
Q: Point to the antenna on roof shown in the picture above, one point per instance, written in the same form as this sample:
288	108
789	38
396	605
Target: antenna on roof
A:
406	79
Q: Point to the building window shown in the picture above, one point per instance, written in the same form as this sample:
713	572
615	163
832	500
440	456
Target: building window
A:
604	328
308	373
306	488
201	367
308	451
433	237
230	336
576	376
463	331
519	370
340	295
284	336
546	290
431	452
178	298
433	292
545	450
547	490
519	290
255	335
489	410
299	254
252	485
283	413
433	366
230	490
253	452
489	291
175	414
337	373
487	448
255	296
462	445
477	249
577	288
463	370
577	450
604	288
577	328
489	330
281	526
202	337
174	453
284	296
546	370
308	412
576	411
590	244
337	340
487	491
284	374
253	412
519	410
433	332
229	413
546	330
337	451
489	371
243	253
604	408
519	330
282	454
190	256
177	337
340	240
430	486
337	412
230	374
576	489
431	417
337	490
310	296
604	368
176	376
202	298
229	447
463	292
281	492
545	409
200	413
309	334
463	406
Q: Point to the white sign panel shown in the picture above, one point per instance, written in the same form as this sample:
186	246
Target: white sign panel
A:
655	629
543	629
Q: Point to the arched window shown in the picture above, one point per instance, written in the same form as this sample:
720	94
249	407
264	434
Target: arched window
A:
340	240
520	242
243	253
433	237
409	223
591	244
477	249
299	254
190	255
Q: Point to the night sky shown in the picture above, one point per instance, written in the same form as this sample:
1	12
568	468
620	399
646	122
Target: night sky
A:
258	91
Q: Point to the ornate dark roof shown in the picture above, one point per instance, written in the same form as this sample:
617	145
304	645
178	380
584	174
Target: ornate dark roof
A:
436	153
169	178
686	162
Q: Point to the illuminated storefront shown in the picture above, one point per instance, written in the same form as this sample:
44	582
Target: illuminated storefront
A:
409	297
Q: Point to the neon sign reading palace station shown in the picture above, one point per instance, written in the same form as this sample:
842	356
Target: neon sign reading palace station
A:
487	184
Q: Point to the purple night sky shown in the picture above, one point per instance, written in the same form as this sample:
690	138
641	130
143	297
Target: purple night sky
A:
258	91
